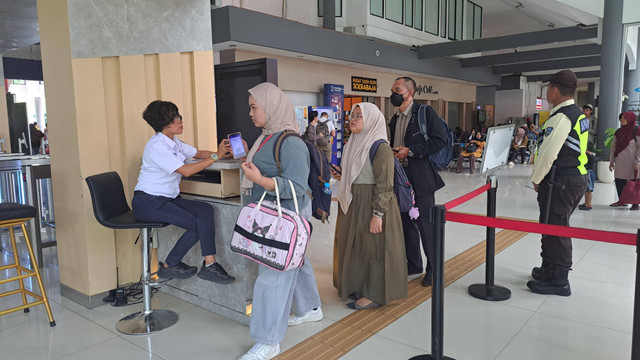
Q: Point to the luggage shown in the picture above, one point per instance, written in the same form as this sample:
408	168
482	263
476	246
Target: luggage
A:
271	235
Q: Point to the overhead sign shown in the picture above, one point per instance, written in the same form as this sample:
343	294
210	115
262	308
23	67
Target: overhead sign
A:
364	84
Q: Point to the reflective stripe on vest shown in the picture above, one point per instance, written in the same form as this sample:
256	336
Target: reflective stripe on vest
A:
573	151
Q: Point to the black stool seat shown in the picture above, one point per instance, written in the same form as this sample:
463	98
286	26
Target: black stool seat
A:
13	211
110	205
129	221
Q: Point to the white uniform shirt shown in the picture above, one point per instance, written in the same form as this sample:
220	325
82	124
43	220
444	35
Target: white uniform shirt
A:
556	129
162	157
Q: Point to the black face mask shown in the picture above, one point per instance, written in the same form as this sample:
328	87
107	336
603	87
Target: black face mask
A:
396	99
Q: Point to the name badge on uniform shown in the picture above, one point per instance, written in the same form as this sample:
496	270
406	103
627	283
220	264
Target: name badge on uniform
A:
548	131
584	125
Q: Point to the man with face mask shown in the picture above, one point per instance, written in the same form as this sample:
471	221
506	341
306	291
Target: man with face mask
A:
328	129
413	150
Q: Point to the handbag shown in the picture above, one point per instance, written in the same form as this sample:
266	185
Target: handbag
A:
471	148
631	192
271	235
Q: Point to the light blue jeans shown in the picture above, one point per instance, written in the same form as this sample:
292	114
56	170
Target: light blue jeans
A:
273	294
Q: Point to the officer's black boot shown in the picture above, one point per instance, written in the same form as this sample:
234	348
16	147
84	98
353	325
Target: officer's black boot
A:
543	272
558	284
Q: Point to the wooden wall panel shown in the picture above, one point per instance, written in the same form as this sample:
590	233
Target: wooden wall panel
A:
204	100
152	82
172	88
188	106
4	117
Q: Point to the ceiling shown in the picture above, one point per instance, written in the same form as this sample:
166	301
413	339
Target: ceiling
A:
18	24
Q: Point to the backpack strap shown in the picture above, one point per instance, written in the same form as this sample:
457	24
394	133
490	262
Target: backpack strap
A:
278	145
422	121
374	149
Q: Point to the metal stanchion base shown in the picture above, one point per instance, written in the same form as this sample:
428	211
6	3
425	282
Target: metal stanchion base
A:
144	324
490	293
428	357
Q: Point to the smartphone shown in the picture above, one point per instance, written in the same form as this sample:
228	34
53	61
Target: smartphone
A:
336	169
237	147
395	150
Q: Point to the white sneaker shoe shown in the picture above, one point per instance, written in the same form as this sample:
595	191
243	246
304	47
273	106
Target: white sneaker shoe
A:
261	351
313	315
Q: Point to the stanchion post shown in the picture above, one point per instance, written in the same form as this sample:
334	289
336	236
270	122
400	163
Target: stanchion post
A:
635	338
488	290
437	290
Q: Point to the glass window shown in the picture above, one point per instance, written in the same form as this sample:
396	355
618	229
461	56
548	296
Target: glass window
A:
393	10
459	18
468	24
443	18
432	16
338	8
417	14
377	7
451	14
477	22
408	12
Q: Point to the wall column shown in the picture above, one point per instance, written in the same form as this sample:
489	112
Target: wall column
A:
103	62
611	69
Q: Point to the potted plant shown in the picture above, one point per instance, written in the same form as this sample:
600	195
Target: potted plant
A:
602	158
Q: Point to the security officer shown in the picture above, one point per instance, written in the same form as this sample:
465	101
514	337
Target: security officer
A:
562	147
413	152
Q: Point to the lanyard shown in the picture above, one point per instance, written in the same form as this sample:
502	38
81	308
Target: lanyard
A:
264	141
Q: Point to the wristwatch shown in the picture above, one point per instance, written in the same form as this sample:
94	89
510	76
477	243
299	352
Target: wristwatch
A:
410	153
214	156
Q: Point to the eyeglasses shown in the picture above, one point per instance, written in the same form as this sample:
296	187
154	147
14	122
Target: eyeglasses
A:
354	116
178	119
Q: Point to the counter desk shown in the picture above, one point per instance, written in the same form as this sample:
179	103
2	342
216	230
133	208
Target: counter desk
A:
218	186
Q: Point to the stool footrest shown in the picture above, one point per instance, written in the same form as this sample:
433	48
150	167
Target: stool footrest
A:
21	307
23	276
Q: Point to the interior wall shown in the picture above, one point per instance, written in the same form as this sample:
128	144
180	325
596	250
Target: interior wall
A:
4	115
509	103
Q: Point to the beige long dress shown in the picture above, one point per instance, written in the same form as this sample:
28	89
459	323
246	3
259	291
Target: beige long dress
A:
373	265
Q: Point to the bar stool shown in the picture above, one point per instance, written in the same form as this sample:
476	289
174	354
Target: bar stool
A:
111	210
13	214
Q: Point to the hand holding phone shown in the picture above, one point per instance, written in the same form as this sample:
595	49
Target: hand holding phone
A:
336	169
237	145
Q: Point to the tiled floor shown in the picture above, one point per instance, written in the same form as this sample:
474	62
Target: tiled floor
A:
594	323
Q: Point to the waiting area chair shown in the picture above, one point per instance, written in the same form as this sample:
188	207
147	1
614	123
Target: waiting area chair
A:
111	210
13	214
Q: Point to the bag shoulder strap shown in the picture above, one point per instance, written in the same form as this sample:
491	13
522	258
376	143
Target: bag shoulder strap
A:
278	145
374	149
422	121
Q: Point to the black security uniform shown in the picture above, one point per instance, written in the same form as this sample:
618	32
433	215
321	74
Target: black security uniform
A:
425	181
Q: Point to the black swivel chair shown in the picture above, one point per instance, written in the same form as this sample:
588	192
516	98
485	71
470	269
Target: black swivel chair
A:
111	210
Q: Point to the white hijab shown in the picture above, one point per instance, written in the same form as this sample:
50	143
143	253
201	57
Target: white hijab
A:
280	116
356	152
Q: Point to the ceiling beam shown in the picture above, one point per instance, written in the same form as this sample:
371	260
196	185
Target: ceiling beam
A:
579	75
548	65
451	48
528	56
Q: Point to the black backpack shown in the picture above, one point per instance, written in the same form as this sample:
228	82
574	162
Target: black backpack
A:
318	175
401	186
443	157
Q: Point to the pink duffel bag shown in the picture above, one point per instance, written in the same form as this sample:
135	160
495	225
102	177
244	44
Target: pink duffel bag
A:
271	235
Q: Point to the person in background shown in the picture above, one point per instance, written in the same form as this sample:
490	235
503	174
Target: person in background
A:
275	291
591	175
413	150
157	194
36	136
624	157
325	127
371	257
518	146
310	134
563	146
473	149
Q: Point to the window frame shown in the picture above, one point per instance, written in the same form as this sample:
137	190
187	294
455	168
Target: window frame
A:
418	13
371	9
386	13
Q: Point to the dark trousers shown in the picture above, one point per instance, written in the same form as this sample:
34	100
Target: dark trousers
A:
620	183
514	152
194	216
419	229
472	163
563	202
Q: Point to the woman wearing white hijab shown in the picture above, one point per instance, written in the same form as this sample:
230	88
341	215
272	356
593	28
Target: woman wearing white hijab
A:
274	291
372	266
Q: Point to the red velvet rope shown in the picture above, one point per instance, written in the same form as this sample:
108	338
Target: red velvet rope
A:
464	198
555	230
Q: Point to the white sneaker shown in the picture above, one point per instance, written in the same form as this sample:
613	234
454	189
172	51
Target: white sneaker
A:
313	315
261	351
510	163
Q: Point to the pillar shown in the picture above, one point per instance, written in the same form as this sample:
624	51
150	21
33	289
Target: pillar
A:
612	62
4	114
103	62
329	14
632	82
